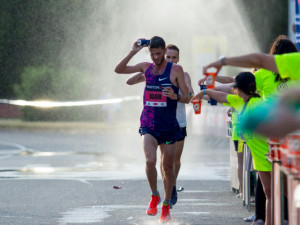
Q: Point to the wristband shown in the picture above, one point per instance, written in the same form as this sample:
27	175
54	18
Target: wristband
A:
204	91
223	60
178	97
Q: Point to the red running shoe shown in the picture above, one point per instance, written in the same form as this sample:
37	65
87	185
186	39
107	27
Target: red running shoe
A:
152	207
165	214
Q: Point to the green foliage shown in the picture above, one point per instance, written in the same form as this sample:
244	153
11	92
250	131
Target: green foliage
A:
46	83
33	33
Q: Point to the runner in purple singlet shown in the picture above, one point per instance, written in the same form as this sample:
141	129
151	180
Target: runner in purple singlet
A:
159	126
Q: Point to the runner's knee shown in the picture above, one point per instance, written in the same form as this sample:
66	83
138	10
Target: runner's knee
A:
177	163
150	162
168	169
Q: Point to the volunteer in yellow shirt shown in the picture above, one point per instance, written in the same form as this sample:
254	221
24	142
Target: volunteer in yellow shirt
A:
246	89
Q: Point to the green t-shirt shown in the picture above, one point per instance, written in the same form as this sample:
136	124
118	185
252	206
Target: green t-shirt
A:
288	65
237	103
267	86
257	143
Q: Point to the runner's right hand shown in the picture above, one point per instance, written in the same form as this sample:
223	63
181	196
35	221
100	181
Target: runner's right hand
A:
135	46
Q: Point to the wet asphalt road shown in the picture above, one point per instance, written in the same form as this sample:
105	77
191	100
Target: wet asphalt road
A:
67	177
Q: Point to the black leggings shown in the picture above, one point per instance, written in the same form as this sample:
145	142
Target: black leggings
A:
260	201
236	145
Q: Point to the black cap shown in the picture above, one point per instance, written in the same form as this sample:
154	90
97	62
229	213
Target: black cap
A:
245	81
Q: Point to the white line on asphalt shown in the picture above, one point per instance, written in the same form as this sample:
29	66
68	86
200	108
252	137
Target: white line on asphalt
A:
192	199
196	191
194	213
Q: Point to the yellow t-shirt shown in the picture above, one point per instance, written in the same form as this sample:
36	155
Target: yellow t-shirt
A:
267	86
257	143
288	65
235	129
237	103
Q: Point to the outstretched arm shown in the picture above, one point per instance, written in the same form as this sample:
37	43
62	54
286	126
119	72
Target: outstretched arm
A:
137	78
284	119
254	60
224	80
227	88
292	96
219	96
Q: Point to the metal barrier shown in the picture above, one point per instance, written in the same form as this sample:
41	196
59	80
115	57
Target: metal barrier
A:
247	170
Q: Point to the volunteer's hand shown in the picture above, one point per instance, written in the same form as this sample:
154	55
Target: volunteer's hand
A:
198	96
217	65
201	81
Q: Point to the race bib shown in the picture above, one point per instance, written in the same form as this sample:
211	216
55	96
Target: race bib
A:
154	96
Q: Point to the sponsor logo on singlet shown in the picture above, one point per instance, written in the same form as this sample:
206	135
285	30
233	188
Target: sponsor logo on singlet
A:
161	79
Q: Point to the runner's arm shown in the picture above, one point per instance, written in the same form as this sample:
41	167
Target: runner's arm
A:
123	68
188	82
137	78
185	94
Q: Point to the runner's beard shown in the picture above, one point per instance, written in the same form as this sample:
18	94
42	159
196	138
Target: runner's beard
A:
161	61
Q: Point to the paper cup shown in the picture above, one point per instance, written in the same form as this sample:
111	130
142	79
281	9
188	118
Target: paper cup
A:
210	80
196	106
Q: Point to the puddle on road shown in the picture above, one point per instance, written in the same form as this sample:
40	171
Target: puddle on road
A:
84	215
24	163
29	164
95	165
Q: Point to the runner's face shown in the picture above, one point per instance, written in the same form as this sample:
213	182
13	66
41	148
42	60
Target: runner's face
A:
157	55
172	56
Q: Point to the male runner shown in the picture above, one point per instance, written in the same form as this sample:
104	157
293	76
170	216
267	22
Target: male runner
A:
159	126
172	55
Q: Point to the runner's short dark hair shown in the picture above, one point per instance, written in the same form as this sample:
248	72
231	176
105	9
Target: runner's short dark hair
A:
157	42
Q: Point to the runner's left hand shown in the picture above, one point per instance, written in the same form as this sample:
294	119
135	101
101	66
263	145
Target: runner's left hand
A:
169	92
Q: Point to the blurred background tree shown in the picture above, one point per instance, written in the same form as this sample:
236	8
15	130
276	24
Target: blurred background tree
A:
33	33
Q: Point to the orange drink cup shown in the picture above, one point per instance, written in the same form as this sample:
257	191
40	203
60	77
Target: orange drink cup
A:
210	80
196	105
